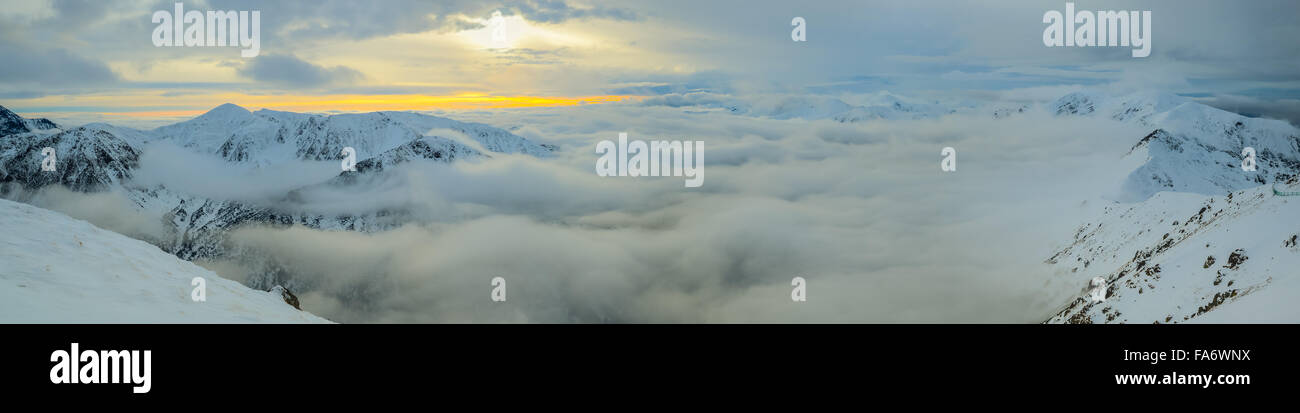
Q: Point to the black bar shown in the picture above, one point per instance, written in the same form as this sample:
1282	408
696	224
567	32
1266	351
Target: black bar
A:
402	361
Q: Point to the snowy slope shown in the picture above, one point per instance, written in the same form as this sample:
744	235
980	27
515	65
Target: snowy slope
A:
55	269
1178	257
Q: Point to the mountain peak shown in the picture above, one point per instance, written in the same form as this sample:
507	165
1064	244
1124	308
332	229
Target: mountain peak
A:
228	109
226	113
11	123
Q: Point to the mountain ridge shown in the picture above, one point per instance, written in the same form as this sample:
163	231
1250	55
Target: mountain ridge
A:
11	123
100	157
267	137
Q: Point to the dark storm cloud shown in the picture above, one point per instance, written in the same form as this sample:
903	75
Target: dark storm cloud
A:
49	67
287	70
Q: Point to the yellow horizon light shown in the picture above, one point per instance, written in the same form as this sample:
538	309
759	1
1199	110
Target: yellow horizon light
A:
357	103
468	100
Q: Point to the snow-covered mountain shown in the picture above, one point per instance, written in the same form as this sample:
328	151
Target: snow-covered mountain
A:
1137	106
1199	149
1192	147
11	123
55	269
428	147
87	158
1193	233
100	157
268	137
105	158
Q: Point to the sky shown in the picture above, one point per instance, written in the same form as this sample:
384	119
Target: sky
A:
95	60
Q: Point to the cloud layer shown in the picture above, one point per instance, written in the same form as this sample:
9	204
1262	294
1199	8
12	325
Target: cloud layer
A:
861	211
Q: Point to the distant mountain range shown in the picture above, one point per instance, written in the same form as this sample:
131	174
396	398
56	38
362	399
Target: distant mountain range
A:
877	106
